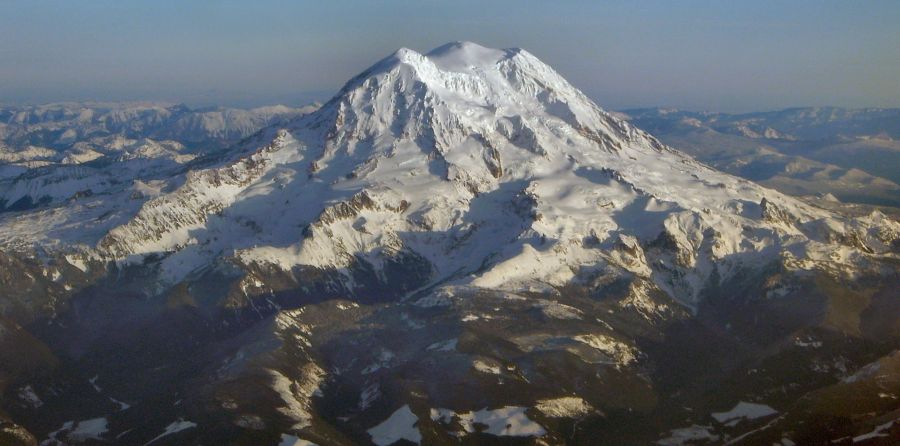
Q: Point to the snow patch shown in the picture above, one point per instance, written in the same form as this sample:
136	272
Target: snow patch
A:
744	410
444	346
173	428
564	407
688	435
557	310
297	394
89	429
401	425
28	395
484	367
290	440
878	432
866	372
508	421
383	360
368	396
619	351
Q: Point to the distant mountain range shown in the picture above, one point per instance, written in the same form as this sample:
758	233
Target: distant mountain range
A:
459	247
50	152
58	126
851	154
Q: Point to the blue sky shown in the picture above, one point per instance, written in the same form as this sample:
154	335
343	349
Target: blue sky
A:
718	55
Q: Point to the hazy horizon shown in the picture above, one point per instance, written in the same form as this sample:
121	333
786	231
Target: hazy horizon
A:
697	55
317	100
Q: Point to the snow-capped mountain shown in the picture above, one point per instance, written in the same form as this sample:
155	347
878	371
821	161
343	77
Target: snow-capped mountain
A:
493	171
465	214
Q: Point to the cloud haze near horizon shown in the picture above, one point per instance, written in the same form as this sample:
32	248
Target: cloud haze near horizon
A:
732	56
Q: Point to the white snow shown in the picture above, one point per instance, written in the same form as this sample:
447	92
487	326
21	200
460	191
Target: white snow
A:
297	394
383	360
53	437
807	342
93	382
688	435
564	407
401	425
444	346
557	310
290	440
368	396
435	300
744	410
174	427
878	432
485	367
507	421
122	405
92	429
504	421
619	351
28	395
89	429
462	56
867	371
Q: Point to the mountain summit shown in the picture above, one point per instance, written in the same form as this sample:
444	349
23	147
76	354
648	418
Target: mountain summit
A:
458	244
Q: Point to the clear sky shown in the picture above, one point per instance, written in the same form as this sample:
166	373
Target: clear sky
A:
719	55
